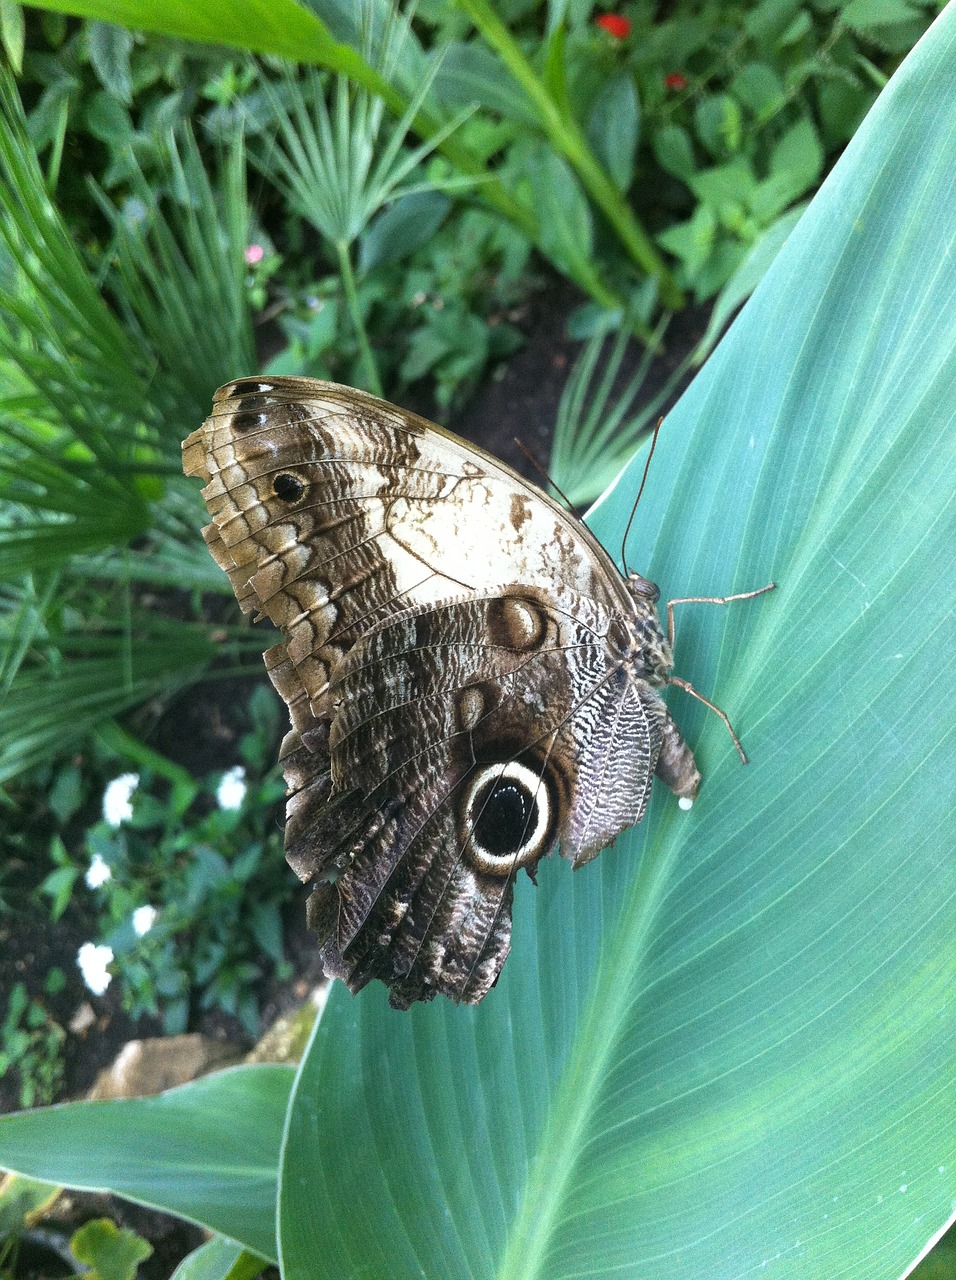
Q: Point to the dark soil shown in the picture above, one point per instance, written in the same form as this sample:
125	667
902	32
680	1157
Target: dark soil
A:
201	728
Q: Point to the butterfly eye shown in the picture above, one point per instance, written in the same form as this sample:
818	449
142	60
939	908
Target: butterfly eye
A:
288	488
643	588
507	817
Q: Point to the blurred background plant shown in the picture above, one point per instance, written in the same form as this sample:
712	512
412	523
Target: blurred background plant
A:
175	212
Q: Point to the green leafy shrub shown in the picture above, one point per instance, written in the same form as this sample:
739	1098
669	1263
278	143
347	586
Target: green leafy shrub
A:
186	884
31	1043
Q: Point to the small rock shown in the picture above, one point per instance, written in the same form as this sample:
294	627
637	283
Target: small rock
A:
83	1019
145	1067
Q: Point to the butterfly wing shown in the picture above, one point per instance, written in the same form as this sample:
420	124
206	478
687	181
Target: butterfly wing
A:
449	724
452	774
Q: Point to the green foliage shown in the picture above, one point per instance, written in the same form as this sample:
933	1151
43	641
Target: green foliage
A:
31	1044
711	121
941	1263
732	1032
219	1259
741	109
110	1252
22	1202
207	1151
441	302
94	400
187	887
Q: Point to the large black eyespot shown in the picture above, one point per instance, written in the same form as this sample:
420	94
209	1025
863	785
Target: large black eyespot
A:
505	814
507	817
288	488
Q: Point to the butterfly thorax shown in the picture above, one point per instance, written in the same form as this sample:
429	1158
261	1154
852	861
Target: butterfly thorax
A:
639	637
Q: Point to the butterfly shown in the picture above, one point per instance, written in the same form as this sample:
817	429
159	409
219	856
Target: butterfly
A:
471	681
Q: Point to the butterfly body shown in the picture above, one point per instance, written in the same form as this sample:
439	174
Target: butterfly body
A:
470	679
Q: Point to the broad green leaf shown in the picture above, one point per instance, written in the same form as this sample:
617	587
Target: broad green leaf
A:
759	88
674	151
109	48
282	27
208	1151
795	166
112	1252
567	228
864	15
727	1048
470	73
746	278
219	1259
404	226
719	125
614	127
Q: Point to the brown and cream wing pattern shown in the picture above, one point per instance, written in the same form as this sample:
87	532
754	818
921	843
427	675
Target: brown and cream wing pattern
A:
472	765
332	509
458	699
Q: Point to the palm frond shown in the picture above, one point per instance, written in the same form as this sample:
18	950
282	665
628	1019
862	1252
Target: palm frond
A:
340	163
178	279
596	431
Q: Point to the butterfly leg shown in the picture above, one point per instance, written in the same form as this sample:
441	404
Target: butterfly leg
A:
742	595
685	684
689	688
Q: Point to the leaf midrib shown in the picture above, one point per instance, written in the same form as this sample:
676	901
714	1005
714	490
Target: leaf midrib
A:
576	1095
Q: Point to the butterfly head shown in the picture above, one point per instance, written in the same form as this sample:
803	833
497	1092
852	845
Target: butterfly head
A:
642	589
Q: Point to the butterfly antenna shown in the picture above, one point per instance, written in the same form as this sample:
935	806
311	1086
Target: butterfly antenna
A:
647	465
542	472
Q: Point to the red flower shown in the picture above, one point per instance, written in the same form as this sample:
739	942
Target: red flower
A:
615	24
675	81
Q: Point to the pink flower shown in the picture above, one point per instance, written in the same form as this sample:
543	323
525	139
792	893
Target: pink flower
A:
675	81
615	24
254	253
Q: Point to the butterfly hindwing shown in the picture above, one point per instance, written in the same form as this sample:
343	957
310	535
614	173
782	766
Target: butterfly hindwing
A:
461	735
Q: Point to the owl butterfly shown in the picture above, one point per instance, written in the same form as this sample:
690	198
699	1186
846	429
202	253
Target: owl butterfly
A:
470	679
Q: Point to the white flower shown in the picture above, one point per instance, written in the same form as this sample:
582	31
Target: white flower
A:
117	796
232	789
98	872
93	960
143	919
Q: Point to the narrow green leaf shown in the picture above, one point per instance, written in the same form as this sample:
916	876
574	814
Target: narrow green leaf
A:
725	1048
12	32
207	1151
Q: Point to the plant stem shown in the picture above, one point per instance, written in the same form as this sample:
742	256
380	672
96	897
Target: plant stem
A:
567	137
373	381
